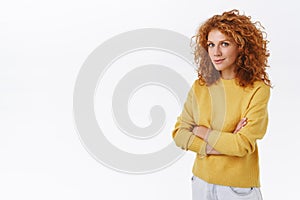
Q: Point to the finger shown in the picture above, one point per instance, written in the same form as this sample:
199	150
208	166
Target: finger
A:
195	129
239	126
243	120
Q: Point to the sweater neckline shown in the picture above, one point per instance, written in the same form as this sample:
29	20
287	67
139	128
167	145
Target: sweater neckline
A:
228	82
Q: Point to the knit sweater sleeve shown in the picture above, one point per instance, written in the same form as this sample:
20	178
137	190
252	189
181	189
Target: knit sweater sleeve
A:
244	141
182	133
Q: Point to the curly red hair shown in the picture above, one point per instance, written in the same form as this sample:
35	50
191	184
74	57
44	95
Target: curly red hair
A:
252	60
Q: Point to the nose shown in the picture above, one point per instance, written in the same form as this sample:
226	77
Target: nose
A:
217	51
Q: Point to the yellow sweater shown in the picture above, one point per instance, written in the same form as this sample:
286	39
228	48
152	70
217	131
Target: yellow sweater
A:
220	107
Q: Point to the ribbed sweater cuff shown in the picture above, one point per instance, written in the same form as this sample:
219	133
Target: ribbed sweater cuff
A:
197	145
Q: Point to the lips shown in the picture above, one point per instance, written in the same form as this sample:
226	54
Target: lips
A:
219	61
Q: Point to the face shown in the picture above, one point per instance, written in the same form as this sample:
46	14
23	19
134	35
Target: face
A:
223	52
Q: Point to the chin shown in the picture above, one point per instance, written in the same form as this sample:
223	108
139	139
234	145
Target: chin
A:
218	68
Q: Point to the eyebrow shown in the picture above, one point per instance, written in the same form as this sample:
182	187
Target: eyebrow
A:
226	40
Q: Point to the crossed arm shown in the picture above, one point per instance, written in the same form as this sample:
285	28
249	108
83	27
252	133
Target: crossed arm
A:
188	136
202	132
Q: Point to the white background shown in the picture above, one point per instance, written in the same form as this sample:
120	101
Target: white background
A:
42	47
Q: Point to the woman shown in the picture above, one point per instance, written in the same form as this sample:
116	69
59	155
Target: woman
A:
226	108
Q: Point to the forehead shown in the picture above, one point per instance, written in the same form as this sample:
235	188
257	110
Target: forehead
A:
216	35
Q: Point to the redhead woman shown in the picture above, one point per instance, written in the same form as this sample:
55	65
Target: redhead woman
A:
226	110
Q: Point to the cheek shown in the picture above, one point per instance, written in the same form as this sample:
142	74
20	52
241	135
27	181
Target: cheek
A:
210	53
233	54
236	56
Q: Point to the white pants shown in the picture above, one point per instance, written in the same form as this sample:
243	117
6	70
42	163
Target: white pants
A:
202	190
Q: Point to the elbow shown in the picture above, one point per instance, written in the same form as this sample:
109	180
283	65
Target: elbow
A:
246	150
241	154
175	138
180	139
245	146
179	143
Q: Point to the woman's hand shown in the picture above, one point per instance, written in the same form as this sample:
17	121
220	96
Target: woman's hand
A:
200	131
240	125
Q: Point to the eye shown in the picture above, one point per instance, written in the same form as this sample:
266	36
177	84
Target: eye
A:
210	44
225	44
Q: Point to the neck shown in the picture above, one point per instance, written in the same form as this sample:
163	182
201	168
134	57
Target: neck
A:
227	75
